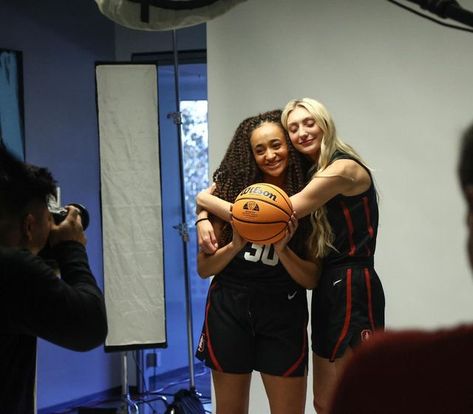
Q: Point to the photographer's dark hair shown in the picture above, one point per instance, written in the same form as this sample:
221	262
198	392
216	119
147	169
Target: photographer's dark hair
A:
21	185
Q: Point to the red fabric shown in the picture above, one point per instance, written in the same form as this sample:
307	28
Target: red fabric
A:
410	372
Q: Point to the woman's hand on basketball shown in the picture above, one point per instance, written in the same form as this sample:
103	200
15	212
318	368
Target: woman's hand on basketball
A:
290	230
238	241
206	237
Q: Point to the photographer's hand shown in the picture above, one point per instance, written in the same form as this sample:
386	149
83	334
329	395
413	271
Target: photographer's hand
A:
69	229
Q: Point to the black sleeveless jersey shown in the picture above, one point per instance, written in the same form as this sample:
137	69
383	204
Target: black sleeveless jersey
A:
354	222
257	266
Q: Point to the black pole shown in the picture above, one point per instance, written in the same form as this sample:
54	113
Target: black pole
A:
183	229
450	9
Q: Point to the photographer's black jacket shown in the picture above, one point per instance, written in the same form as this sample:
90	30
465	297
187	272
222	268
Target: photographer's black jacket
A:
68	311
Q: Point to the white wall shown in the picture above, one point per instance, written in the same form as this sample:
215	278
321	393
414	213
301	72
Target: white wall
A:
400	89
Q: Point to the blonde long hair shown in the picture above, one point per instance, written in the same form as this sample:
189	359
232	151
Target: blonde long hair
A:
322	237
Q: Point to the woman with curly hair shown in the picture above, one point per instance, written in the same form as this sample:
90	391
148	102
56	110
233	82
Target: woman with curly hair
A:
340	197
348	304
256	313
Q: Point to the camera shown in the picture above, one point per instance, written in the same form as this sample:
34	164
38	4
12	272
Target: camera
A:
59	213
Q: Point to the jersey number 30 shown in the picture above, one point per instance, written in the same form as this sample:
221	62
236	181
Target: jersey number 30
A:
263	252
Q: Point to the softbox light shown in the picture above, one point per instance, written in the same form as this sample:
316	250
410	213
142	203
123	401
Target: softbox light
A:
163	14
131	206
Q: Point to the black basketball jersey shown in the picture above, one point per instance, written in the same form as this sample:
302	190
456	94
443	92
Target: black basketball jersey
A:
354	222
257	266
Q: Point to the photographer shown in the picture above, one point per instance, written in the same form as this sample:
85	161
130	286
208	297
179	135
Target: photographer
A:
66	309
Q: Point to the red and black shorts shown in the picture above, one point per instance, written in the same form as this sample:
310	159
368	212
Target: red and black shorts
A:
347	307
253	329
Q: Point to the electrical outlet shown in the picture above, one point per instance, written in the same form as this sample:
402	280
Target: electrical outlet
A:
151	360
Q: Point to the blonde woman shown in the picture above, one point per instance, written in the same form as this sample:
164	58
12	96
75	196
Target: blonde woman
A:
348	303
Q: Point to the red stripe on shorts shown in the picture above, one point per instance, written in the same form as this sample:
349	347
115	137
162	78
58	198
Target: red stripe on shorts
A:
346	324
209	342
301	357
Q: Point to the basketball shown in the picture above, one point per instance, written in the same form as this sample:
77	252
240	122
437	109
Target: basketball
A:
261	213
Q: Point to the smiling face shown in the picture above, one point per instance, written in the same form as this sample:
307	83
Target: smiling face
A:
269	146
305	134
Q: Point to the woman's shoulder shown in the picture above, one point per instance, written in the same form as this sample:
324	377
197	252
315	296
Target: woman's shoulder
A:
340	158
340	155
345	167
356	176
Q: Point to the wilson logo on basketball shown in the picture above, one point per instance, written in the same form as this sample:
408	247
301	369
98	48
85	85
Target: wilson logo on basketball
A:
258	190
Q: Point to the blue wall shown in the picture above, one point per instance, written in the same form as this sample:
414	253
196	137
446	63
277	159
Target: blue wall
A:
60	42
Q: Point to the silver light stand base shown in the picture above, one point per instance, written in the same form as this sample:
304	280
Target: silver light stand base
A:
128	406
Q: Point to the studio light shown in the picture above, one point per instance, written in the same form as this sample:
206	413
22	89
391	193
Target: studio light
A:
160	15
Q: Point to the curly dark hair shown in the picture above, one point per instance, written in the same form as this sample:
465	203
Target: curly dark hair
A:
238	168
21	184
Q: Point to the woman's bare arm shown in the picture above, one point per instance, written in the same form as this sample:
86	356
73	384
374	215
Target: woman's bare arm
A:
345	177
218	207
211	264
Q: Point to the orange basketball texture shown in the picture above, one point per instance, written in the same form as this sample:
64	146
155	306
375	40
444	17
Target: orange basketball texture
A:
261	213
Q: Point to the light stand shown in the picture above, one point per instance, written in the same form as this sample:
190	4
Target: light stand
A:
128	405
182	227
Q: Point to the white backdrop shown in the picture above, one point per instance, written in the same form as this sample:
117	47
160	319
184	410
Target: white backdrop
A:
400	89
